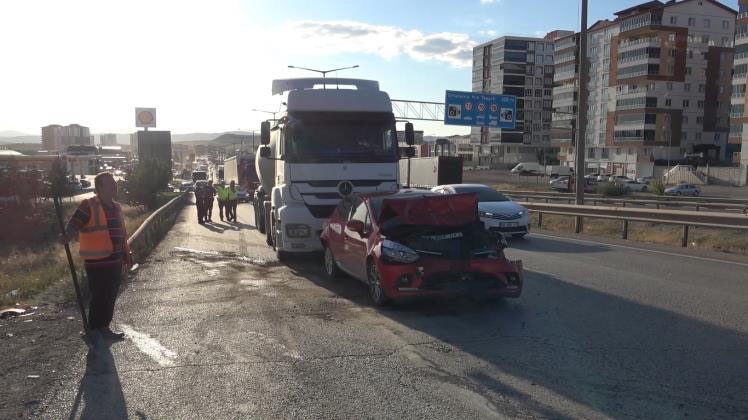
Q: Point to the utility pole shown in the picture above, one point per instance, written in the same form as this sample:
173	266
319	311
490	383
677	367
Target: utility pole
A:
582	111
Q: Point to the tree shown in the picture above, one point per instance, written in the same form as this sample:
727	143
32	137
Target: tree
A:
58	179
145	181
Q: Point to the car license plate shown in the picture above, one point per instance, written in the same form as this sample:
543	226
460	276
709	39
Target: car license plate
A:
508	224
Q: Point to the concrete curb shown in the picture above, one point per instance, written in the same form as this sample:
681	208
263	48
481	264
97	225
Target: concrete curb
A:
151	231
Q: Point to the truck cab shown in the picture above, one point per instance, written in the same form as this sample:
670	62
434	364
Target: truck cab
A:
336	137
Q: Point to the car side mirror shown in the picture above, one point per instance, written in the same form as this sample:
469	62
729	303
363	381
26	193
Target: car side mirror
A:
355	226
410	135
265	152
265	132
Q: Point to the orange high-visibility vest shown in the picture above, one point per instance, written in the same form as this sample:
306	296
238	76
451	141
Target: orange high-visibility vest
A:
95	242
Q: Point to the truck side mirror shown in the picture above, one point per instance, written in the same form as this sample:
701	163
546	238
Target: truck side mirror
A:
265	132
410	152
410	135
265	152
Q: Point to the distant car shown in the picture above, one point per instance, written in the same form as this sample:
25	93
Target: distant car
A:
85	183
683	189
603	178
243	196
645	179
560	184
619	179
410	244
635	186
497	212
186	186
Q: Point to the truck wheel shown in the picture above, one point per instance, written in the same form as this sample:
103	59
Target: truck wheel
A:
259	219
267	225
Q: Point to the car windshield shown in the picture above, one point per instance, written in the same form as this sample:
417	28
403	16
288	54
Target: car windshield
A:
485	194
333	137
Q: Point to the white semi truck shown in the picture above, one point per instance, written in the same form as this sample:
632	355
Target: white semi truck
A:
336	137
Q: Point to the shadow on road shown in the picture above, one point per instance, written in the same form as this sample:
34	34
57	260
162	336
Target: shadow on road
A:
612	355
100	391
543	244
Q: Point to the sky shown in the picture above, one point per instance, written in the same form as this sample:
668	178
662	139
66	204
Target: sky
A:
206	64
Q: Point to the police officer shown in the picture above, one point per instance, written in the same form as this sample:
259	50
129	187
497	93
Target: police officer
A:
223	198
233	200
103	246
210	192
200	193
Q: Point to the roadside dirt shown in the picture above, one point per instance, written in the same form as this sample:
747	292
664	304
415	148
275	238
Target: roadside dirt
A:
34	351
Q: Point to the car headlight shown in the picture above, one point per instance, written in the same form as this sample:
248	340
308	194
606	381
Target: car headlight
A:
520	213
485	214
396	252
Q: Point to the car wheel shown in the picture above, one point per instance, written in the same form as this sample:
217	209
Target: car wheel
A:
376	293
695	193
644	189
677	193
331	266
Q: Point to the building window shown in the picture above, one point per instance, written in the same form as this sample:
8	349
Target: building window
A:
528	92
698	135
685	119
672	53
684	136
725	24
528	81
699	120
668	102
686	87
539	70
725	42
686	103
529	70
538	93
691	21
549	59
590	153
539	59
690	53
704	39
673	20
538	105
706	22
669	85
688	70
671	37
700	104
701	88
538	81
548	92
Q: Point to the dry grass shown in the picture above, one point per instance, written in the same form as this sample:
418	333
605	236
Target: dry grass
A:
712	239
32	270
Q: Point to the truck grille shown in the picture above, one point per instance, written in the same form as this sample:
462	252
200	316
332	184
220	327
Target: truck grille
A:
321	211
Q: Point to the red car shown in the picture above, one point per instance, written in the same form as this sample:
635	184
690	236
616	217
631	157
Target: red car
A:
417	243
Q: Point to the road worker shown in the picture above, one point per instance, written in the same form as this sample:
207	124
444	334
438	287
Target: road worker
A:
233	200
200	193
103	246
223	198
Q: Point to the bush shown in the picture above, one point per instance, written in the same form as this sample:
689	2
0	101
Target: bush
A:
658	187
611	189
145	181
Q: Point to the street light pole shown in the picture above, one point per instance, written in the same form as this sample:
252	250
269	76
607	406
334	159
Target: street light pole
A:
582	111
324	72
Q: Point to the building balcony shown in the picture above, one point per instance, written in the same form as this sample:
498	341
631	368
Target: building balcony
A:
567	75
639	43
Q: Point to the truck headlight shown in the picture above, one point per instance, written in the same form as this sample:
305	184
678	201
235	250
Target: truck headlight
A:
297	230
396	252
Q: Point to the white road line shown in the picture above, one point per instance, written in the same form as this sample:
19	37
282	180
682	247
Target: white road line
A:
674	254
149	346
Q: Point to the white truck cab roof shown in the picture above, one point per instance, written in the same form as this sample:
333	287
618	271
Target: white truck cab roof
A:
324	95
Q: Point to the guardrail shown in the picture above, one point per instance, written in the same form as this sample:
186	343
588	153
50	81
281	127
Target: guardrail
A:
686	219
150	231
698	203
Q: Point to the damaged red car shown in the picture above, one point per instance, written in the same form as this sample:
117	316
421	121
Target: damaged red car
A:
415	243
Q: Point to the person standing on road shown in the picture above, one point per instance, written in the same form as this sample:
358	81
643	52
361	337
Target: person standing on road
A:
103	246
200	188
233	200
210	192
223	198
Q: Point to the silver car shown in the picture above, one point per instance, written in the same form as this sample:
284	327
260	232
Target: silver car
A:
683	189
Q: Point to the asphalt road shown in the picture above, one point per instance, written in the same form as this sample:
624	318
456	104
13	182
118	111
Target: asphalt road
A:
219	329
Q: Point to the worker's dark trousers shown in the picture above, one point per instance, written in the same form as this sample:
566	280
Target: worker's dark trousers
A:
200	204
209	208
232	209
221	205
103	283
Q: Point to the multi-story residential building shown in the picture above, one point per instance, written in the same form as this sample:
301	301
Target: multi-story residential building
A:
658	87
108	139
58	138
523	67
565	93
738	111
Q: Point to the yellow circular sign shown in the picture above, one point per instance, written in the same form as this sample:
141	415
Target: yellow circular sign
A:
145	117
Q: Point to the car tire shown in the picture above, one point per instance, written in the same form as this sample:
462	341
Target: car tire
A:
695	193
644	189
376	293
677	193
331	266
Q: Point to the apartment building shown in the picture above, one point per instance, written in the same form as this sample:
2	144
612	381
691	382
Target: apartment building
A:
738	111
57	138
523	67
108	139
659	86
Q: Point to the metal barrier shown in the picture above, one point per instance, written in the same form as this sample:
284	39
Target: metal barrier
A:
698	203
625	215
149	232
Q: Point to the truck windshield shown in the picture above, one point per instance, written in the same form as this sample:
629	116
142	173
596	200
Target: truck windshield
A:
353	137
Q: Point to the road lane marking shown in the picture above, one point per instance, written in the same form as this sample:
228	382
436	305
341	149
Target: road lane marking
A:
674	254
150	347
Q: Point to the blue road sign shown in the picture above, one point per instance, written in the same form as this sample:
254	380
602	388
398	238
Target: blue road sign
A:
480	109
